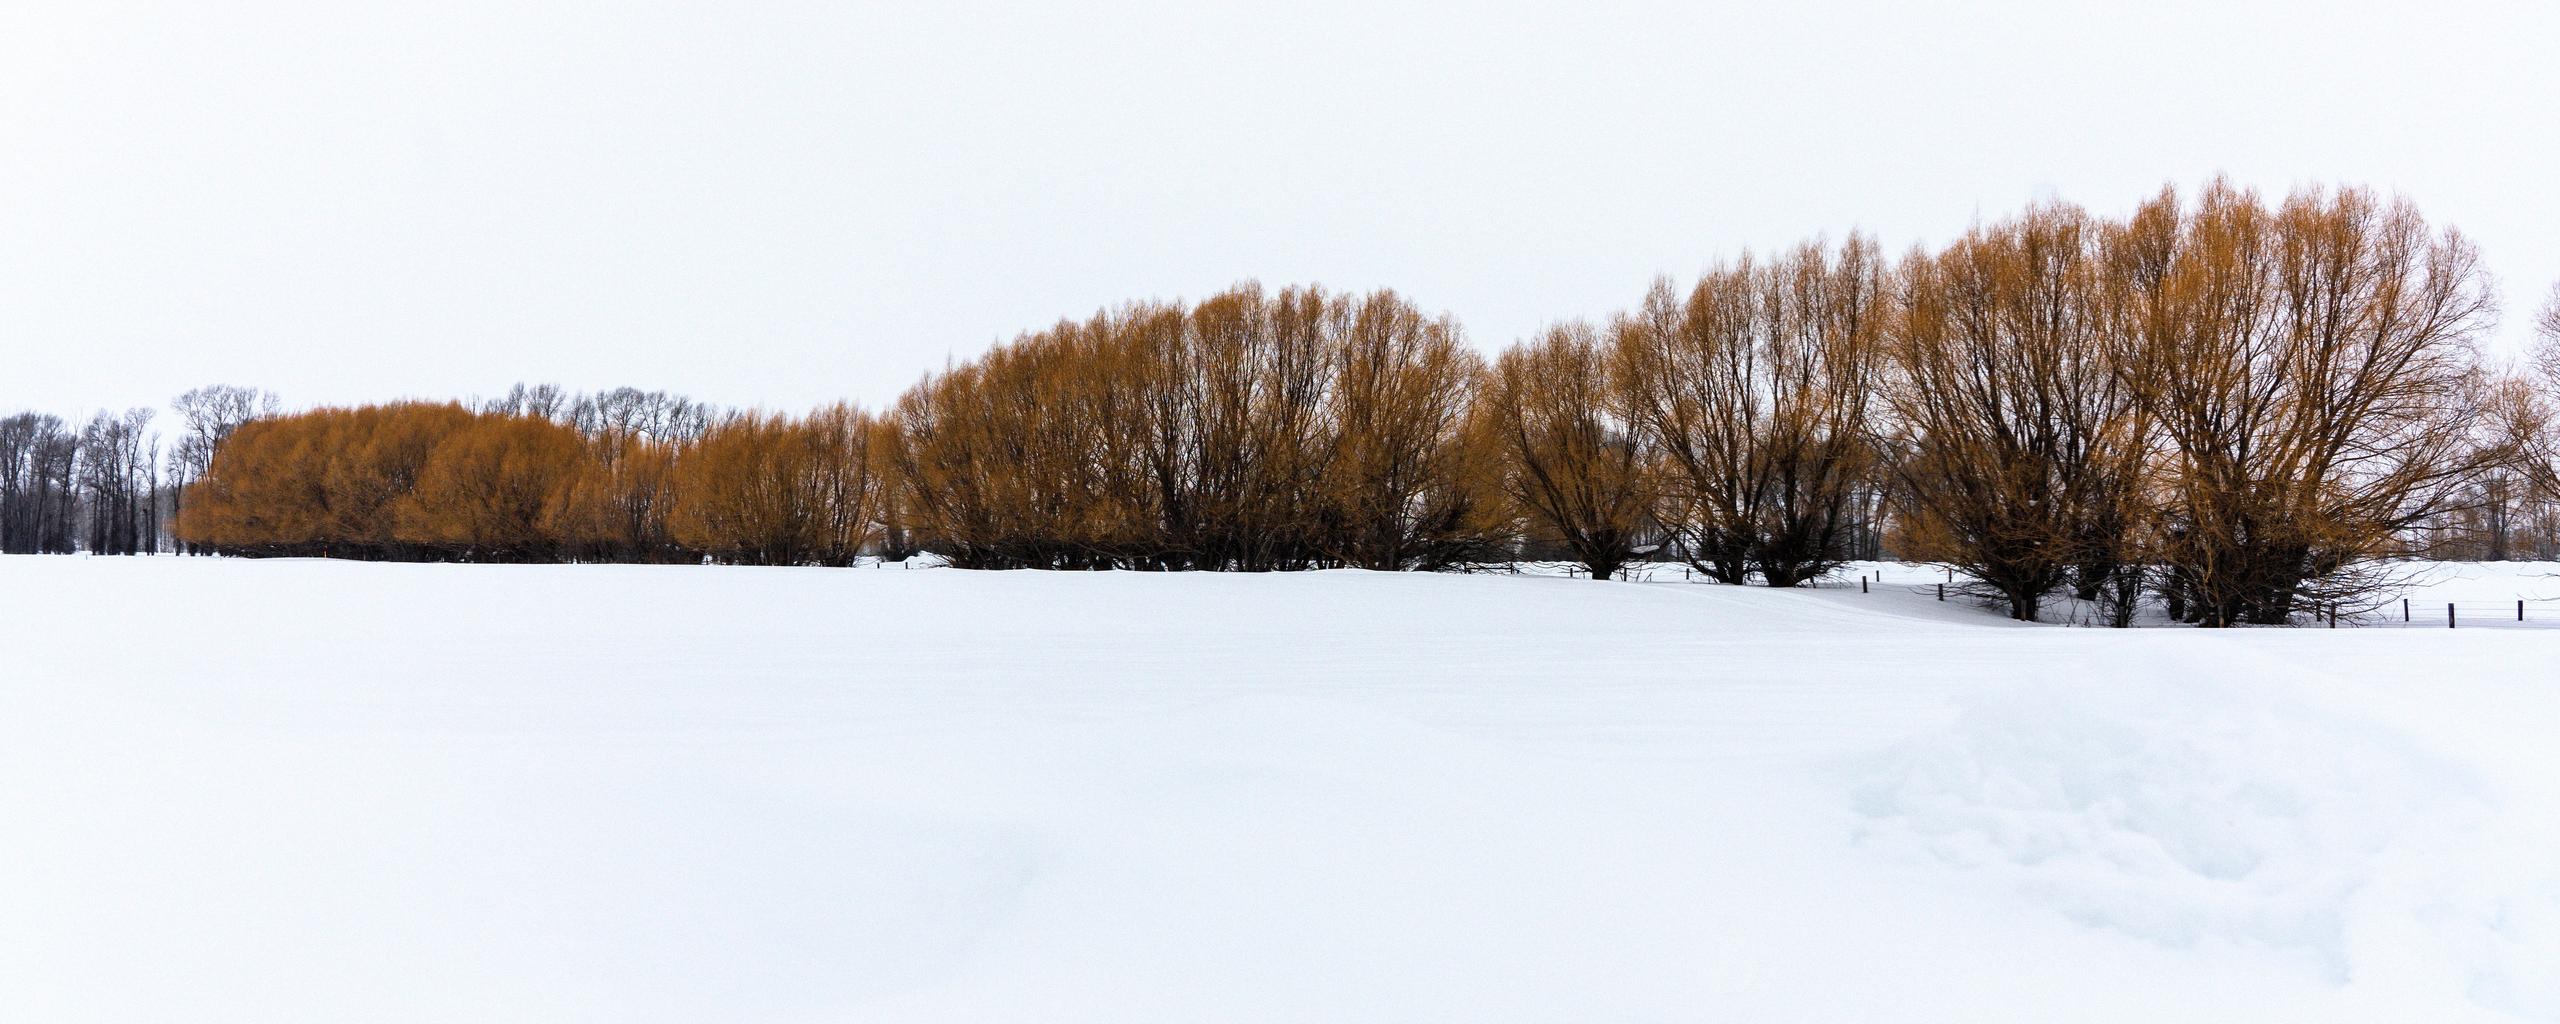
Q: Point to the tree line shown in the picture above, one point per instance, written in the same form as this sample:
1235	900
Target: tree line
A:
623	476
108	486
2238	407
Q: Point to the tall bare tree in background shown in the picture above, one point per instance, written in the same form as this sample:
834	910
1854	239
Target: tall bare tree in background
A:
540	401
39	494
2530	407
118	477
2512	510
206	417
624	492
2546	348
1578	476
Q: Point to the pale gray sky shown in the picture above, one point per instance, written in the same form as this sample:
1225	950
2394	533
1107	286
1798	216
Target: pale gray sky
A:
783	203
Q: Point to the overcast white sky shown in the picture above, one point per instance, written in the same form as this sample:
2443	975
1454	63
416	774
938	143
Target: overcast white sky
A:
783	203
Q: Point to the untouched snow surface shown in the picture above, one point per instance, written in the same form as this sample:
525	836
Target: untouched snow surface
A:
315	791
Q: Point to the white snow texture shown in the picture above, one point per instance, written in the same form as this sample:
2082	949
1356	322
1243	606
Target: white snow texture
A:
313	791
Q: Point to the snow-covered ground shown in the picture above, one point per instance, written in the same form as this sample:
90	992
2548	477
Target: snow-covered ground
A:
314	791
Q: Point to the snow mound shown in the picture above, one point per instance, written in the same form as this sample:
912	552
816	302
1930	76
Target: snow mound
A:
2211	806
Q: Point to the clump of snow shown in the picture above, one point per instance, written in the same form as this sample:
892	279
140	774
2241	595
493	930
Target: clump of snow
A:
2211	801
2172	809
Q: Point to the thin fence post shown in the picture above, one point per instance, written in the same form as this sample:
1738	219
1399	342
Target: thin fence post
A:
1862	588
1942	591
2404	609
2448	615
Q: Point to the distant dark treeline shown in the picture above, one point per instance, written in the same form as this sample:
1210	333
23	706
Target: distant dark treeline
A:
2231	406
93	488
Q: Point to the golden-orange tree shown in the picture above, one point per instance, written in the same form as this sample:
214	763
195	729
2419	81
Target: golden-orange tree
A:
766	489
1757	388
496	488
1577	473
408	480
2024	447
323	482
1406	484
1250	431
2314	371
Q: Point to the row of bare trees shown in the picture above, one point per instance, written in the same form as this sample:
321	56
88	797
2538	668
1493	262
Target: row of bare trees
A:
2244	407
96	487
443	481
1251	431
2237	407
2513	511
107	486
39	487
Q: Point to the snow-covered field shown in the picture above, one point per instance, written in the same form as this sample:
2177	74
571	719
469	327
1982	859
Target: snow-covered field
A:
312	791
